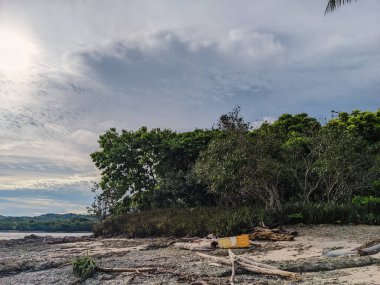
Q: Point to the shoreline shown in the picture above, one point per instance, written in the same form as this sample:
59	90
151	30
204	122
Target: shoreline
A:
14	235
47	262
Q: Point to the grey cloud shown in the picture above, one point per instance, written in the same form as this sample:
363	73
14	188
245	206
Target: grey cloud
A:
187	71
174	63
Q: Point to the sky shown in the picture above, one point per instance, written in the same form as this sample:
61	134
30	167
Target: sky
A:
70	70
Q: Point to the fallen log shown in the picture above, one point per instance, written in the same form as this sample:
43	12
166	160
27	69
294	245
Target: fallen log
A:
248	260
369	248
203	245
233	261
135	270
333	252
258	268
221	260
255	268
326	263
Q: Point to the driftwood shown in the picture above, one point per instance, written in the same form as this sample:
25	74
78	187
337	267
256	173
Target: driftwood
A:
76	281
135	270
317	264
273	235
369	248
233	261
258	268
249	260
56	240
203	245
334	252
252	267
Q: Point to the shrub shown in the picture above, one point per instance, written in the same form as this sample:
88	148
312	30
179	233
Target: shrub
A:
179	222
84	267
201	221
323	213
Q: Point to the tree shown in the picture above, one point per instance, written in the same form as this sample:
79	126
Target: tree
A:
177	157
290	150
240	168
332	5
128	167
224	165
292	159
147	169
302	156
345	165
364	124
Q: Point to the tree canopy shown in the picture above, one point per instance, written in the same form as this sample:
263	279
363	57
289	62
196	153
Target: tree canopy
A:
295	158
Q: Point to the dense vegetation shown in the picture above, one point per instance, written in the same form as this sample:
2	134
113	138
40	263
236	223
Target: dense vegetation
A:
293	170
49	223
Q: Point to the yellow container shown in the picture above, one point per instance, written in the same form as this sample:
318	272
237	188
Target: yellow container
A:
234	242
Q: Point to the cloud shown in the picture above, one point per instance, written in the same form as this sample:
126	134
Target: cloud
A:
189	71
175	64
33	182
37	206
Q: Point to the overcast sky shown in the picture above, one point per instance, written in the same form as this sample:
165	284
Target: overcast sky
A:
69	70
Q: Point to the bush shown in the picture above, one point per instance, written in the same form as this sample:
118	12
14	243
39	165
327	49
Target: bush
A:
201	221
323	213
177	222
84	267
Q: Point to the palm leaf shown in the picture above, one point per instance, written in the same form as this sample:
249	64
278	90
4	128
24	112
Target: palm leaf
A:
333	4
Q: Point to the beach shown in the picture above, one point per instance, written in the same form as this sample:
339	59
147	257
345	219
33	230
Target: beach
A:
37	260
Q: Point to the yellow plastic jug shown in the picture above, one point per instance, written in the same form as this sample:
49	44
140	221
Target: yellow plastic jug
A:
234	242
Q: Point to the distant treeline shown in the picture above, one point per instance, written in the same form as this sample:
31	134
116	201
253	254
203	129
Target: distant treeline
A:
288	164
49	223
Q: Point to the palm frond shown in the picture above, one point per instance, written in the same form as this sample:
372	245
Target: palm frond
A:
334	4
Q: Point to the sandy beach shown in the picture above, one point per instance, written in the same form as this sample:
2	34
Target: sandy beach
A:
34	261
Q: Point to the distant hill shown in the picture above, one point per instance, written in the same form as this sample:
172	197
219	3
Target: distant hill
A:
48	222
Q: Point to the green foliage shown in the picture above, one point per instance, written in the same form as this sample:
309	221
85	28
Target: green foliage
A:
177	157
238	164
233	122
127	162
84	267
201	221
293	161
364	124
224	166
148	169
182	222
365	200
299	125
323	213
295	217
